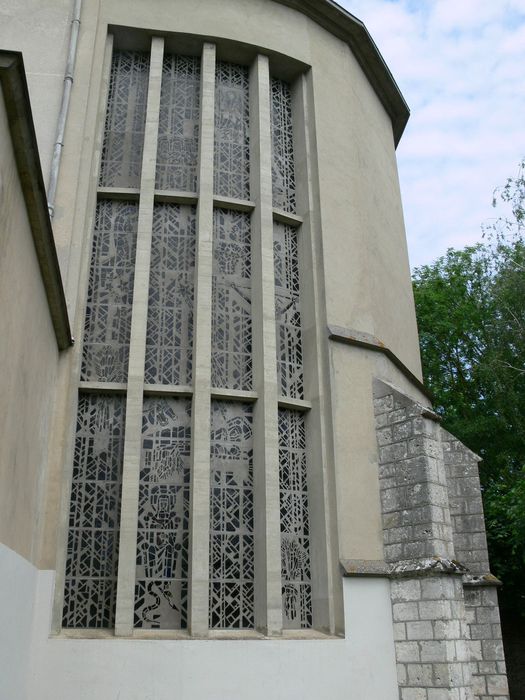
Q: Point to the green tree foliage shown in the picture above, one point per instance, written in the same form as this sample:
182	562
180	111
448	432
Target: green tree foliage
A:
470	306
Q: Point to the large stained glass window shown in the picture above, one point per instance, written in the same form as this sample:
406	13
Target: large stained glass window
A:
154	250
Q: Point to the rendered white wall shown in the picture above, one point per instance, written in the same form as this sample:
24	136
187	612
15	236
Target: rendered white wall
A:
18	582
360	666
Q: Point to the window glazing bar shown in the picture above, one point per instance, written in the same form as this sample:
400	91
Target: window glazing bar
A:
133	433
200	431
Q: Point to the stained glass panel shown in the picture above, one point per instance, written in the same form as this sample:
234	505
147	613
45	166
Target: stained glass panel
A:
178	139
288	312
231	517
169	336
232	131
283	168
92	549
295	528
231	303
161	591
125	120
107	323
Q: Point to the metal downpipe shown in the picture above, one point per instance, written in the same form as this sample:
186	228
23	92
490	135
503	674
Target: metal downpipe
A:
64	107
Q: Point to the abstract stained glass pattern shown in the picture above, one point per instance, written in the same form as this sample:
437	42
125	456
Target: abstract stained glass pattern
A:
295	529
125	120
232	135
231	303
231	517
283	170
178	139
288	312
92	549
161	589
107	323
170	312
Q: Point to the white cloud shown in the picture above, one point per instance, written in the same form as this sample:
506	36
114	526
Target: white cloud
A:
460	68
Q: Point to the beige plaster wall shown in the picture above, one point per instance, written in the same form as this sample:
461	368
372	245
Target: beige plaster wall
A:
28	362
40	30
360	530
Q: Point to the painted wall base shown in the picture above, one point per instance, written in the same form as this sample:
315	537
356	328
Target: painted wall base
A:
38	667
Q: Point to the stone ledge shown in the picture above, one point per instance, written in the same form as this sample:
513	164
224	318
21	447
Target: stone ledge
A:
361	339
489	579
430	566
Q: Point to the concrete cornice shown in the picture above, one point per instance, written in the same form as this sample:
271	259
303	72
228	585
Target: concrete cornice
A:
345	26
16	96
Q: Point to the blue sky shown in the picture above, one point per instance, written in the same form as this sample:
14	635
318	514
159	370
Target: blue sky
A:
460	65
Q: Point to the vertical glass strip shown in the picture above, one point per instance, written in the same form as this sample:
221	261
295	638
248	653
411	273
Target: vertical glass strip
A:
169	335
231	361
178	140
161	589
288	312
295	529
232	132
283	168
125	120
107	324
231	517
92	549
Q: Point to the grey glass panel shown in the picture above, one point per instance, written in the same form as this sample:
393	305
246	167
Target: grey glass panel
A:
125	120
232	131
231	361
108	311
161	590
231	517
169	337
92	549
178	140
295	528
283	168
288	312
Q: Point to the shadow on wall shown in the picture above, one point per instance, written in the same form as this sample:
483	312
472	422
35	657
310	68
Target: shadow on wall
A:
513	629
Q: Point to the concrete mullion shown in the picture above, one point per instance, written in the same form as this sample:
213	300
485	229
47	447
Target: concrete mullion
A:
313	319
268	605
200	433
133	431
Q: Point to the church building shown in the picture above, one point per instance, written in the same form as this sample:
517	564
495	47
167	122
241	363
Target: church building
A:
220	472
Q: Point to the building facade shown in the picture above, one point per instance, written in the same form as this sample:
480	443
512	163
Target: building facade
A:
232	479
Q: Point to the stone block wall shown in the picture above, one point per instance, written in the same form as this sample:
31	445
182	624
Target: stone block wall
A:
444	601
413	483
489	680
432	651
470	543
466	506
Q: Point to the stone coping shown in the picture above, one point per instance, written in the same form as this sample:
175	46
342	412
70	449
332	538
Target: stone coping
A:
353	32
361	339
18	108
432	566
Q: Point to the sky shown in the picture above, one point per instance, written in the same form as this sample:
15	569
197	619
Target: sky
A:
460	65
